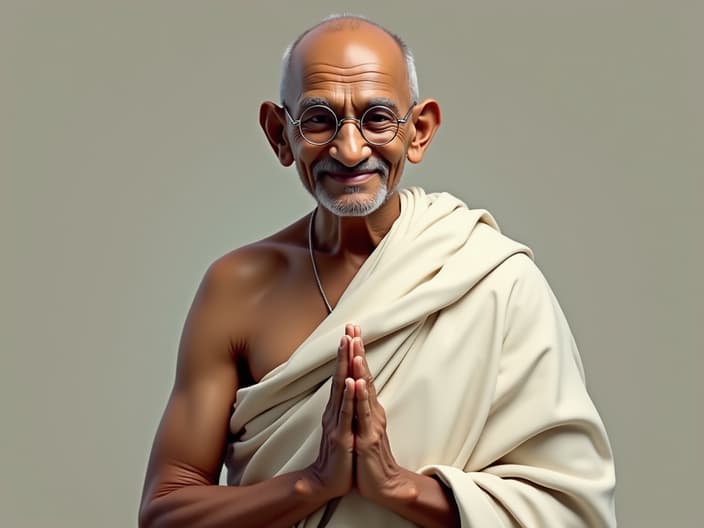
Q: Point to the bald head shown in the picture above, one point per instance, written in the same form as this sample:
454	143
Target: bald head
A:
351	115
348	35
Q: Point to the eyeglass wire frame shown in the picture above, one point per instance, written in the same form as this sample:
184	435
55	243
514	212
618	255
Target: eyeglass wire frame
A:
357	122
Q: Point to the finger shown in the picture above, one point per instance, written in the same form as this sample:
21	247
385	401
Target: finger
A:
348	356
360	370
357	351
353	330
357	347
349	334
363	407
341	371
346	414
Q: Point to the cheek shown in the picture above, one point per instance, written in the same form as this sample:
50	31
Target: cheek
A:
305	158
405	136
396	155
396	162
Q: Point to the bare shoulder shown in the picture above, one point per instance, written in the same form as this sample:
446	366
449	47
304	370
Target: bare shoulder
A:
247	273
228	306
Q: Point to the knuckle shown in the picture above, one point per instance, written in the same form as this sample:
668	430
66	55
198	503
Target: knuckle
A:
328	425
337	439
372	441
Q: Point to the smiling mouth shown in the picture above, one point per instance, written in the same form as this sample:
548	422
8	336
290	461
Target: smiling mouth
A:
351	178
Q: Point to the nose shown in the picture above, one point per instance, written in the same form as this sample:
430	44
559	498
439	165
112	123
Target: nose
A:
349	147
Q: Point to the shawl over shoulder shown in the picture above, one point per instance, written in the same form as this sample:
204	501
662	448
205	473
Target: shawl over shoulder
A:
475	366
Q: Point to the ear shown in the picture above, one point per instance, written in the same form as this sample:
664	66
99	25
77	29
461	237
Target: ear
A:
426	124
273	123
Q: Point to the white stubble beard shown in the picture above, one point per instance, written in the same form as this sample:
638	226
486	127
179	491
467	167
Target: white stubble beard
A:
340	208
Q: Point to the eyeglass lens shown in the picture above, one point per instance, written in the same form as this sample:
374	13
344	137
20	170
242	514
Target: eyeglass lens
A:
319	125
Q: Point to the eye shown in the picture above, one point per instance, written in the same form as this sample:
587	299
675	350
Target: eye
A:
318	117
379	115
379	120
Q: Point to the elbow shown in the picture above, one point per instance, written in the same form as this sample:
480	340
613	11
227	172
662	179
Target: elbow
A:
161	511
145	518
149	514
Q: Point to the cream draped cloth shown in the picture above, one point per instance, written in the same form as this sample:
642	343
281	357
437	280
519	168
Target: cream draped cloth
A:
476	368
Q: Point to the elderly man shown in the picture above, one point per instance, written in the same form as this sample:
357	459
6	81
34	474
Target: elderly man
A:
455	399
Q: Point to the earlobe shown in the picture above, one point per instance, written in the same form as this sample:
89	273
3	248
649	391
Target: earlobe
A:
273	123
426	124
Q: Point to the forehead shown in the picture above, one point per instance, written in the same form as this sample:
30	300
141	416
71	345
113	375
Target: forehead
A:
358	61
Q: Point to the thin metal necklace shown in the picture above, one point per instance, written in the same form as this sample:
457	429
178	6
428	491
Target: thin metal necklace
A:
312	261
331	506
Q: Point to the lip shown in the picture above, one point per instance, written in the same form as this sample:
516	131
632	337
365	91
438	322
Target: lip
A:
351	179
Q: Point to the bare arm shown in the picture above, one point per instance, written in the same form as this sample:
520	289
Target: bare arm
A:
181	488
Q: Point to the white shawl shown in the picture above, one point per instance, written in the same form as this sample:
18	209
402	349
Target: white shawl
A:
476	368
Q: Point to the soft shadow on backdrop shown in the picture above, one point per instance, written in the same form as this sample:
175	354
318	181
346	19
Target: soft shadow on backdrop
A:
130	158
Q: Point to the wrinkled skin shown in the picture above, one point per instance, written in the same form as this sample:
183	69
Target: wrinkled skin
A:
258	303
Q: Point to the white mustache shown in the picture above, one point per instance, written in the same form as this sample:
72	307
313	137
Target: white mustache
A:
331	165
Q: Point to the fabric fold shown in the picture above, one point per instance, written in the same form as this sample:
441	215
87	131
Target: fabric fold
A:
472	359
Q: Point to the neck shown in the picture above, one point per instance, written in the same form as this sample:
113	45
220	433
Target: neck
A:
354	236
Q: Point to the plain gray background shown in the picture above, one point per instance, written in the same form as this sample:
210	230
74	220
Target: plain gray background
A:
131	158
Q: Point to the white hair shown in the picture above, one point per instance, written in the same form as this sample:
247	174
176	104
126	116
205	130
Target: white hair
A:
356	208
407	54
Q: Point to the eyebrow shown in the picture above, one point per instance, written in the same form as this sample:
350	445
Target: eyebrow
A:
382	101
374	101
312	101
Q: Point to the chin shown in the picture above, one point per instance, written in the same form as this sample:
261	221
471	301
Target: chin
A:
353	202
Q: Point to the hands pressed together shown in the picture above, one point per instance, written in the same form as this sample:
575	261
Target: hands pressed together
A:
354	448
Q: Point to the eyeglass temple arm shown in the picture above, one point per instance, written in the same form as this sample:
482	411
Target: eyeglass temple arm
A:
408	114
294	122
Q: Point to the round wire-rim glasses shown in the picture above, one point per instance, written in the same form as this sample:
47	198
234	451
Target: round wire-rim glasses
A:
318	124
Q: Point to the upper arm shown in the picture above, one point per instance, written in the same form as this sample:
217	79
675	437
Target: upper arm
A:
192	436
543	456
